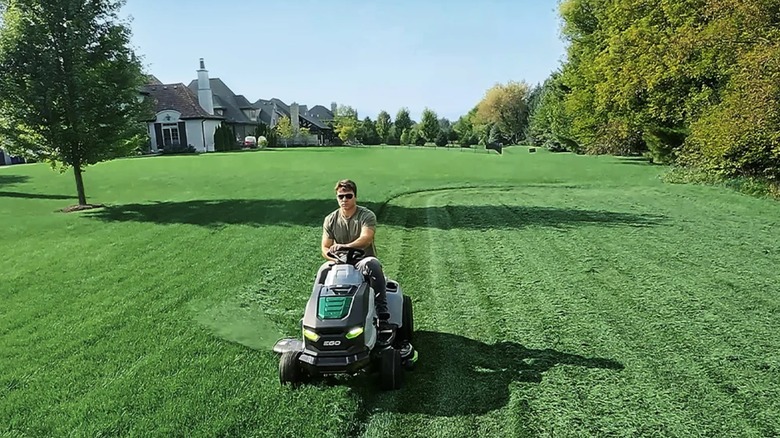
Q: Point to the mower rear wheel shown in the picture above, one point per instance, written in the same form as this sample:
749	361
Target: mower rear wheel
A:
391	371
290	369
407	319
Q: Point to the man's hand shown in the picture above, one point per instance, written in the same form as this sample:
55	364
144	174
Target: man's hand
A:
336	247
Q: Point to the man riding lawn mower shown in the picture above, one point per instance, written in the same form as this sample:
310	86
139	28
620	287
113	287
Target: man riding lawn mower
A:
355	318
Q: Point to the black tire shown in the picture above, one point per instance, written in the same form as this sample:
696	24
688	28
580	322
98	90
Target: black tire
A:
290	369
407	319
391	373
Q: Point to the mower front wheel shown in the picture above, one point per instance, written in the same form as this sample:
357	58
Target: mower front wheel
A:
290	368
391	371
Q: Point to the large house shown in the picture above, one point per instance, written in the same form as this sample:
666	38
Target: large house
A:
189	115
245	117
181	119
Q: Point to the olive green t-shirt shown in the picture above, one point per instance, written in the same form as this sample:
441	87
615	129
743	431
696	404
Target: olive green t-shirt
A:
343	230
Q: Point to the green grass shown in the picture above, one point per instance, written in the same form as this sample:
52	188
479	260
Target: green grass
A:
554	295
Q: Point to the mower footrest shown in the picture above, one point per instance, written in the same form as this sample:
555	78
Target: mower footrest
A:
334	364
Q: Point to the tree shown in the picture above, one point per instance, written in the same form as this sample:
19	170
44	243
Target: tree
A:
345	123
70	84
393	137
383	125
284	129
224	138
368	133
465	129
304	134
416	136
405	137
402	120
442	139
507	107
429	126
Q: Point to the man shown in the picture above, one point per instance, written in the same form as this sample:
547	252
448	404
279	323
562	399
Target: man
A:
353	226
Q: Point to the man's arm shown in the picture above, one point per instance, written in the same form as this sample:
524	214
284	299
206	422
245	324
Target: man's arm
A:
365	239
327	238
327	242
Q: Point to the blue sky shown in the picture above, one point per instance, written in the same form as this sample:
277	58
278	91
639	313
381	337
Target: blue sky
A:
368	54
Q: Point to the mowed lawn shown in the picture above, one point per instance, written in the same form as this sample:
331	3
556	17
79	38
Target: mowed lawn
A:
554	295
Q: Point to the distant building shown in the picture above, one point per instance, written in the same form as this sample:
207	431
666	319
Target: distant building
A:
190	114
181	119
7	159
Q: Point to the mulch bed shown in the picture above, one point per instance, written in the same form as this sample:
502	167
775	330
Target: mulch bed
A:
80	207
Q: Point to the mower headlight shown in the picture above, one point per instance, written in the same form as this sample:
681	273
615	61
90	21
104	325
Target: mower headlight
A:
310	335
354	333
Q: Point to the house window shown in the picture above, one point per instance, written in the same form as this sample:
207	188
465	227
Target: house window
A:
170	133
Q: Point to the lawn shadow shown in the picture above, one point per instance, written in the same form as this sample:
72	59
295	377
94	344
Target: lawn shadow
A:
9	180
311	212
637	161
456	375
4	194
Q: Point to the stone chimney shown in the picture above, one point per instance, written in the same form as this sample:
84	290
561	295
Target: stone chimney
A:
294	121
205	98
333	108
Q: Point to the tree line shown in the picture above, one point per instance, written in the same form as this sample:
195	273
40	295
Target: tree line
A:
500	117
688	82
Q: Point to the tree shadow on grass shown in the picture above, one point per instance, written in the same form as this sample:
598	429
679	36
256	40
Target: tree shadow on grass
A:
311	212
10	180
458	376
638	161
4	194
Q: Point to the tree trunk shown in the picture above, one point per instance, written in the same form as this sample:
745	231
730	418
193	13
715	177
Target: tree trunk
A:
80	185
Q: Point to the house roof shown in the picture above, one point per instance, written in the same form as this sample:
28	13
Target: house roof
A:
152	80
227	100
321	113
243	103
177	97
285	109
266	108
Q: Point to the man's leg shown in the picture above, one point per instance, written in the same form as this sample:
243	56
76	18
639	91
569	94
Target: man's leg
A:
371	267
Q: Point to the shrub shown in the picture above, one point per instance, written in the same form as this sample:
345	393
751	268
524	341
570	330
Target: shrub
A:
442	139
178	149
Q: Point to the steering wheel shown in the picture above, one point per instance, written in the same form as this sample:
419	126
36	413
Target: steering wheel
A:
348	255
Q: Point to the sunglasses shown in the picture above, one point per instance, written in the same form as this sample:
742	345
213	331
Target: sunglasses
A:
346	196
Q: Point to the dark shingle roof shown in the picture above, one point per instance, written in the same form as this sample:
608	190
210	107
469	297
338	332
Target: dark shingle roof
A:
285	109
177	97
232	108
321	113
242	102
266	111
152	80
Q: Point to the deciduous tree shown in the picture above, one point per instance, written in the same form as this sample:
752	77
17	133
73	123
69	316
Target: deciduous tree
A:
70	84
505	105
429	125
383	125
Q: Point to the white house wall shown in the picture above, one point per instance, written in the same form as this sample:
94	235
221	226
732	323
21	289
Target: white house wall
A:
210	127
197	129
200	132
